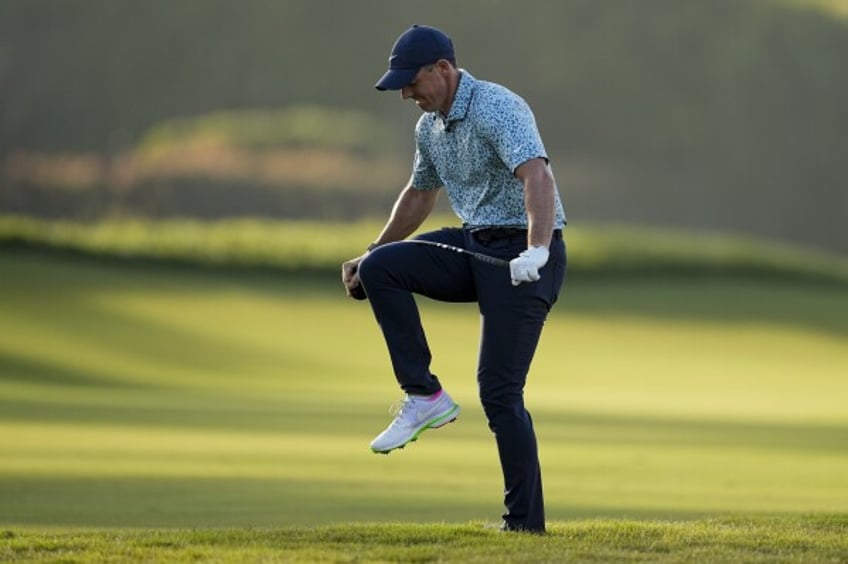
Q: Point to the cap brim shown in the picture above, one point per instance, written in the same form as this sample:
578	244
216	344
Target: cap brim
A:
395	79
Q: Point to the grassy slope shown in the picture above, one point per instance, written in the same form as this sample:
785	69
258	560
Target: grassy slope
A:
168	397
318	246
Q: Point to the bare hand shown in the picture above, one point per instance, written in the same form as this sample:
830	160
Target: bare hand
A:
350	279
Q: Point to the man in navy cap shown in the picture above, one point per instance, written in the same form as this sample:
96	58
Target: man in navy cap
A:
479	142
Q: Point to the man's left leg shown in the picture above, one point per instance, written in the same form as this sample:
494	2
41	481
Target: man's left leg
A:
507	348
512	321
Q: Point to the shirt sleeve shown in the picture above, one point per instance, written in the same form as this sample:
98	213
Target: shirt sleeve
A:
424	173
511	128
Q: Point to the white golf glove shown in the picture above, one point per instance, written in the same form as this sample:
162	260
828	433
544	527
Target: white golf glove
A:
525	267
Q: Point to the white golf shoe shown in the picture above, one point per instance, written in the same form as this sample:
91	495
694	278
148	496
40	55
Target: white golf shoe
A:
415	415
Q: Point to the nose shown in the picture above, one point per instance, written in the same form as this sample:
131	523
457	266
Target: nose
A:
406	92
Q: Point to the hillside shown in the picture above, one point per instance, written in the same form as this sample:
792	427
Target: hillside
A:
724	115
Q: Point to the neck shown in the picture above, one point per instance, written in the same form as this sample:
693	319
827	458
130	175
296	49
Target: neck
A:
453	84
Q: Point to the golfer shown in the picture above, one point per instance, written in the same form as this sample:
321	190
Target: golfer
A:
479	142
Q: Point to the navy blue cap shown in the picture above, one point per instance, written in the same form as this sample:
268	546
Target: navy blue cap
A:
418	46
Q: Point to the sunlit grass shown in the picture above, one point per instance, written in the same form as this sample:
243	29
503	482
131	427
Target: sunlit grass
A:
607	250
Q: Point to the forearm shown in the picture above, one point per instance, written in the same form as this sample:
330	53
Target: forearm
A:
540	203
540	215
409	212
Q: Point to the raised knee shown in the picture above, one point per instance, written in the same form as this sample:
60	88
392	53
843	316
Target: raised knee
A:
369	266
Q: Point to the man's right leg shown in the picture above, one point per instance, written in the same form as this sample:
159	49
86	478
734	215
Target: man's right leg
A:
390	275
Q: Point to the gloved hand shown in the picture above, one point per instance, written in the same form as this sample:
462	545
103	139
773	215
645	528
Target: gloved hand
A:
525	267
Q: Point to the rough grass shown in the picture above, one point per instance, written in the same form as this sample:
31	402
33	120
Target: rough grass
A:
800	539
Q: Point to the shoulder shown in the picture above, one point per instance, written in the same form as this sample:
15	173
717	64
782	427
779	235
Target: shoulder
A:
493	104
505	119
492	89
490	93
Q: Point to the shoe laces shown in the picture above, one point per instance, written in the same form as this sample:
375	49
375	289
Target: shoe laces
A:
401	407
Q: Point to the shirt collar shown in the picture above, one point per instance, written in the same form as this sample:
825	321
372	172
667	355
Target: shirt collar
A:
462	98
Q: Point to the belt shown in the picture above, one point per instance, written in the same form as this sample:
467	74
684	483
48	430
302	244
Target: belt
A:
489	234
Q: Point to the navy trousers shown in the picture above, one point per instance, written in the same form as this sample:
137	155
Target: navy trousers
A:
511	323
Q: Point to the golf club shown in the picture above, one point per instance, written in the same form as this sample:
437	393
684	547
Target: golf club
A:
477	256
359	294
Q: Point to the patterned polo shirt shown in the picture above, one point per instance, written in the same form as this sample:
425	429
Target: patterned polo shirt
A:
473	154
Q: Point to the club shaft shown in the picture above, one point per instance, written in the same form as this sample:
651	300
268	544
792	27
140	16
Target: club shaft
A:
476	256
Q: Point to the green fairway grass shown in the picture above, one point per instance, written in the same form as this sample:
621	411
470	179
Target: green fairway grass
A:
147	396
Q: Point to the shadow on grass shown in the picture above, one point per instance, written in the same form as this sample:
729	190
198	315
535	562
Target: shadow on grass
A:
818	307
595	429
320	418
213	415
692	296
26	370
175	502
